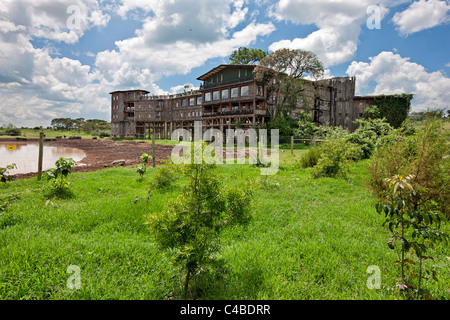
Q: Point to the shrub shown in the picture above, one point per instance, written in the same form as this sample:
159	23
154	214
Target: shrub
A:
190	226
164	176
369	134
102	134
4	173
336	154
58	176
415	230
142	167
11	130
425	155
310	158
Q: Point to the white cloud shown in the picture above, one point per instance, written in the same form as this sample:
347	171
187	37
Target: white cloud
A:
48	18
421	15
176	37
36	86
338	22
394	74
181	88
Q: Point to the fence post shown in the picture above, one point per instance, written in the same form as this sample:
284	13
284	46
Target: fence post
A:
41	154
292	145
153	146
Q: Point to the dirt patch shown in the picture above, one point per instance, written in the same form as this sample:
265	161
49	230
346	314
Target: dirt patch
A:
102	154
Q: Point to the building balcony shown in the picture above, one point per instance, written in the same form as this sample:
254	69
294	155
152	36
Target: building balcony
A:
260	112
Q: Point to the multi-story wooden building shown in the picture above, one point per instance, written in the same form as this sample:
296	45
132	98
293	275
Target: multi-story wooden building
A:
229	97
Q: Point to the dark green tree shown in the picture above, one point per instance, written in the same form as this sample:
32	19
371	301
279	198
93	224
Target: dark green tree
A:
247	56
283	71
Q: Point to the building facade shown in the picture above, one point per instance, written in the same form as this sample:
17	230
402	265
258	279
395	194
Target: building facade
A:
229	97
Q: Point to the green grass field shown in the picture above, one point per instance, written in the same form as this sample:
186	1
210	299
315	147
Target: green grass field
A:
308	239
34	134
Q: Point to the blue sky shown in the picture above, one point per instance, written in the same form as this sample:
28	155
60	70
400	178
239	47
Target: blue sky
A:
56	62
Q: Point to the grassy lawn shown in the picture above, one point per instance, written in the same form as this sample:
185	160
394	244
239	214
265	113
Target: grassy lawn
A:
308	239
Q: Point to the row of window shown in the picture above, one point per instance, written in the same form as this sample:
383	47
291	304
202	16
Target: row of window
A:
226	94
191	114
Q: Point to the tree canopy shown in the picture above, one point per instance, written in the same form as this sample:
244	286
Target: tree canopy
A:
284	71
247	56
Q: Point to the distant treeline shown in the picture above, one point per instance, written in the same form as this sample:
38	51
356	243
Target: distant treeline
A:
80	124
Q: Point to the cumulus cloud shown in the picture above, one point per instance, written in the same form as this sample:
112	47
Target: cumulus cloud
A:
394	74
338	22
49	19
421	15
176	37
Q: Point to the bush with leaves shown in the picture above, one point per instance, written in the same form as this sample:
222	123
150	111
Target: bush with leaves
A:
310	158
164	176
424	154
4	172
415	228
305	126
10	130
335	157
141	168
369	134
190	226
58	176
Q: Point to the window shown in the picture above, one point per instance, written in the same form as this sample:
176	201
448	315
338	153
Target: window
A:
225	94
199	100
244	91
234	92
216	95
224	109
183	103
207	96
192	101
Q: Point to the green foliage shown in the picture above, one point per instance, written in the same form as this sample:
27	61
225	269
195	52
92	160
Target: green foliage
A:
141	168
283	70
372	113
310	158
415	230
4	173
395	108
305	126
284	123
102	134
426	155
247	56
190	225
369	134
58	176
164	176
80	124
10	130
335	157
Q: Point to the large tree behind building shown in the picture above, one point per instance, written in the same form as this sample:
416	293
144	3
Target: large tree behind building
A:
284	71
247	56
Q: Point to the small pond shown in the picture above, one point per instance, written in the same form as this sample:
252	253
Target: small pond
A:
25	156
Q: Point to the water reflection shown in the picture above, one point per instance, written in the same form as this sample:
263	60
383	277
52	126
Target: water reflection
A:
25	156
